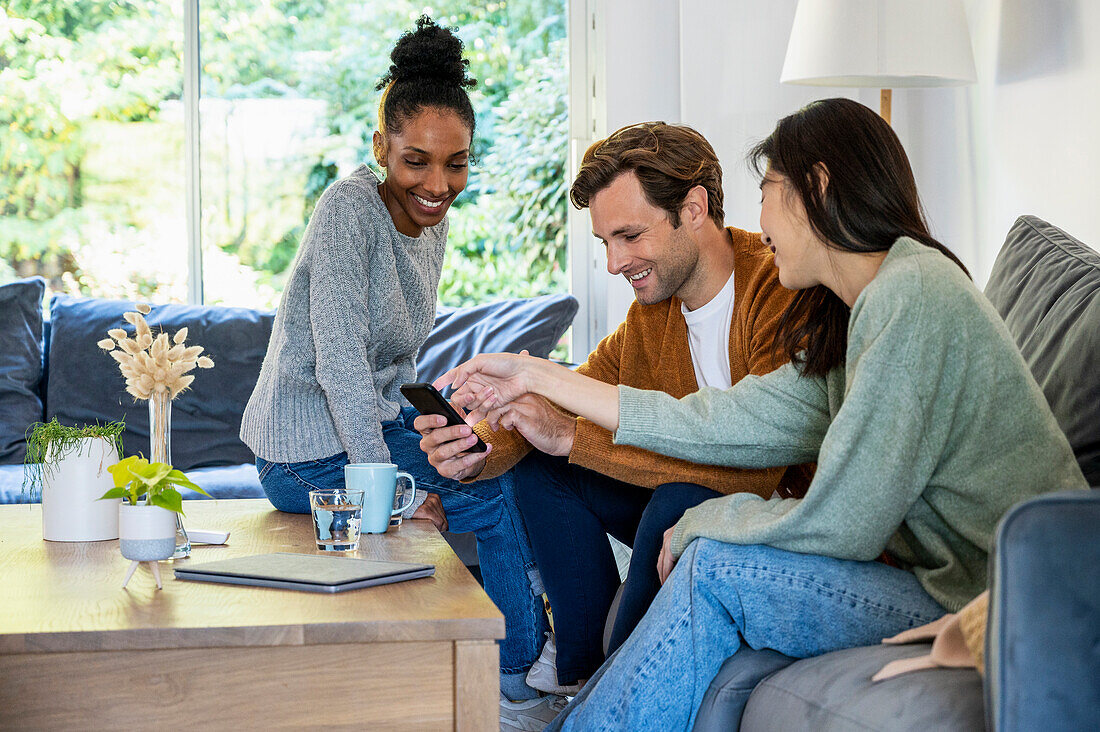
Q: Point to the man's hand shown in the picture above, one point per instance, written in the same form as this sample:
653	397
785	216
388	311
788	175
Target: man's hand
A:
432	510
446	447
547	429
665	562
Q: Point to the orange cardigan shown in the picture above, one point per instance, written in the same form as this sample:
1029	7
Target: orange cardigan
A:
649	350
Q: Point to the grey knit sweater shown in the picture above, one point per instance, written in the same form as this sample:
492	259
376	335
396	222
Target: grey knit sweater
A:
359	303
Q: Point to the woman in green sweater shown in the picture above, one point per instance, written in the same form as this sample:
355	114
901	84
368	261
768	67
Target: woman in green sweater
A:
904	387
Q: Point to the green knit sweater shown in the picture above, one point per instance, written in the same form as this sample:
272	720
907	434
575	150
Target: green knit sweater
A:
924	438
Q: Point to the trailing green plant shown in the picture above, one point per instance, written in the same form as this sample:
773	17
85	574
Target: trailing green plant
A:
136	477
48	443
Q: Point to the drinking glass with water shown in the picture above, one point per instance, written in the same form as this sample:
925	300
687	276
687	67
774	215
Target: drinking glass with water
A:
337	517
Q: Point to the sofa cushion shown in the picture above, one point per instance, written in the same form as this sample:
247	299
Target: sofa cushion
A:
1046	286
85	385
20	365
233	481
11	485
507	326
835	692
725	699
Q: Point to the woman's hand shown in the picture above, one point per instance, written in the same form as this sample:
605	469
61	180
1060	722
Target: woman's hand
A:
489	381
665	562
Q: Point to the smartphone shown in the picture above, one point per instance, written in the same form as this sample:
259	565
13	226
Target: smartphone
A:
427	400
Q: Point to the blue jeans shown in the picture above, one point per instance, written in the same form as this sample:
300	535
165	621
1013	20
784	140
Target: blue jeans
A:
721	596
569	511
487	508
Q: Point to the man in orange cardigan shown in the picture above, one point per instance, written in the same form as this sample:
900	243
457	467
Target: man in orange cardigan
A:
708	302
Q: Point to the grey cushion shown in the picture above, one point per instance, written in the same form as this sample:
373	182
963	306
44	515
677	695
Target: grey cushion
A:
507	326
85	385
1043	641
1046	286
725	699
834	692
20	365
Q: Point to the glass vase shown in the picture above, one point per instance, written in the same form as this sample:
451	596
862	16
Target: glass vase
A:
160	451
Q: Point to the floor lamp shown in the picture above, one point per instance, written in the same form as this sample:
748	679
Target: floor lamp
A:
879	43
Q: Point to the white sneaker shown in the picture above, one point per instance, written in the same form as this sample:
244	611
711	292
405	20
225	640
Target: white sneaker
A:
531	715
544	672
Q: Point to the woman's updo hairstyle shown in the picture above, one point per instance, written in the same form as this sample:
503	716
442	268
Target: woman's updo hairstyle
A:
427	71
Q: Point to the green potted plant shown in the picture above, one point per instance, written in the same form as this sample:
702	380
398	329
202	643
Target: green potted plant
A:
147	514
68	468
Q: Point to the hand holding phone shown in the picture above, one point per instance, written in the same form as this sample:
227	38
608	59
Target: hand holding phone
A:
427	400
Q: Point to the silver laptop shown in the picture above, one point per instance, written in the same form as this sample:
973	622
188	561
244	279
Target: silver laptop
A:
309	572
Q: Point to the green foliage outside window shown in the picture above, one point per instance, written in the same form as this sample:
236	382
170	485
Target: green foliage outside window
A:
88	88
64	64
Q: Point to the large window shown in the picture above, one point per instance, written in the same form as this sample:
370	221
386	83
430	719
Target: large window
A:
91	147
93	150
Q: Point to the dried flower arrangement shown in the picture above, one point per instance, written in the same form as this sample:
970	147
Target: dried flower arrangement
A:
153	365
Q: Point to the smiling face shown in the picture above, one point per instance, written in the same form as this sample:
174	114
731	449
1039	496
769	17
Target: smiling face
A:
799	253
427	164
656	259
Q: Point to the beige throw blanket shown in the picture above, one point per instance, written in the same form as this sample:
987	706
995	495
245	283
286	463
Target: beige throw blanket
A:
958	641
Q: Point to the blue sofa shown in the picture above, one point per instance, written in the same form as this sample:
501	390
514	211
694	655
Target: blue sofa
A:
1043	643
53	368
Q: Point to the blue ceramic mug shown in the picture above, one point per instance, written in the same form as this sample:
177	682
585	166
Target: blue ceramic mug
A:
378	481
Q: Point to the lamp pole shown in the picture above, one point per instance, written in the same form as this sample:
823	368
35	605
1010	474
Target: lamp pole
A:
885	100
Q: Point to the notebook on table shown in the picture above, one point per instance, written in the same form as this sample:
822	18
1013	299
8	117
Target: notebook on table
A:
309	572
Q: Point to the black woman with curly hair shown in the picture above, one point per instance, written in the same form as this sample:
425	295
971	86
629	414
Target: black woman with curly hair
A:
359	303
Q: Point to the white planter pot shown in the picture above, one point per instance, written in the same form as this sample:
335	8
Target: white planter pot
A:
146	533
71	488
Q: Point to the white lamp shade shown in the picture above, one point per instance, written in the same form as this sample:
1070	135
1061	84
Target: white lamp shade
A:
879	43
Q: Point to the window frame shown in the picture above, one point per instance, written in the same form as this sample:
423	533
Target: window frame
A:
192	75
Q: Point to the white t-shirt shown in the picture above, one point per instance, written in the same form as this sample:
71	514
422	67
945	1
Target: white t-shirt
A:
709	338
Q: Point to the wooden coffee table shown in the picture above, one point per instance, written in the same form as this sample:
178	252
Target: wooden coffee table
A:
79	651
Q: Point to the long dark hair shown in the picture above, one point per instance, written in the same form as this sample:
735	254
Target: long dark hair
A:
427	71
870	200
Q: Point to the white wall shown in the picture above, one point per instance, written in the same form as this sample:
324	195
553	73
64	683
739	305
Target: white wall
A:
1024	139
635	68
642	55
642	49
731	55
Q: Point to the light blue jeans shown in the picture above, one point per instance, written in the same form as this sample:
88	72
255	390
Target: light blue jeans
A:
721	596
485	507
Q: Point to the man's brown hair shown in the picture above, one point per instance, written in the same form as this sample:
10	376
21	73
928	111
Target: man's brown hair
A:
669	161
